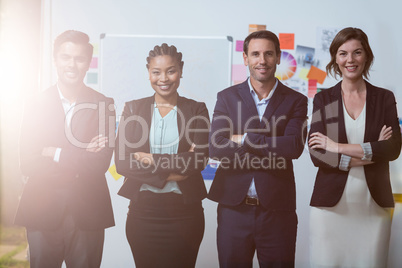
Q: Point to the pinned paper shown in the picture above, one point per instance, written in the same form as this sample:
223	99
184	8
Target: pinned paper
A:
92	78
317	74
256	27
96	49
303	73
112	170
312	88
239	45
287	40
94	63
239	73
305	56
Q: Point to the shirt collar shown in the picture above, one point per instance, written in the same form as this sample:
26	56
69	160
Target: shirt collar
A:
174	108
252	91
62	98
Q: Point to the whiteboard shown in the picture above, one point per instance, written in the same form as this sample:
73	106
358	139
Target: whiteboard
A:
123	74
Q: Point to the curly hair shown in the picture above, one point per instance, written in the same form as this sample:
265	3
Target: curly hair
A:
165	49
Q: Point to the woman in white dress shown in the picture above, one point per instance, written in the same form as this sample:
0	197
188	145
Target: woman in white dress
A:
354	134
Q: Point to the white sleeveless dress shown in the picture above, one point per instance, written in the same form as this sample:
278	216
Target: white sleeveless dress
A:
356	231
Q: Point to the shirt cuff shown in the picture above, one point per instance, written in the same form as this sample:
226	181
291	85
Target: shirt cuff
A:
344	162
368	152
56	157
243	138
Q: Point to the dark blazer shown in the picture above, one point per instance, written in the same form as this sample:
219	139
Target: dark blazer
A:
77	182
328	119
268	149
133	136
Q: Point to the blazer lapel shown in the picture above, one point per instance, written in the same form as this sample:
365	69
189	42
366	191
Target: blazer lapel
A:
53	110
146	114
245	95
337	97
86	113
183	115
247	108
276	99
370	111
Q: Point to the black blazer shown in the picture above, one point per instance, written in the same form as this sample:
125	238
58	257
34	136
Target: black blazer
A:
268	149
133	136
77	182
328	119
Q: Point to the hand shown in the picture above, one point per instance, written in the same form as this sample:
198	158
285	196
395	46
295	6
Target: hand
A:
192	148
357	162
176	177
385	134
320	141
145	158
236	138
97	144
49	152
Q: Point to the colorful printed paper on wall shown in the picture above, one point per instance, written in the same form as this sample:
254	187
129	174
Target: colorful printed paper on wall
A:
312	88
287	68
305	56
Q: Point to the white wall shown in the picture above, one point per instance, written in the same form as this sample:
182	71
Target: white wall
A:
381	20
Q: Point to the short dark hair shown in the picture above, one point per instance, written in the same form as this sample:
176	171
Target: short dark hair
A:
342	37
75	37
165	49
264	34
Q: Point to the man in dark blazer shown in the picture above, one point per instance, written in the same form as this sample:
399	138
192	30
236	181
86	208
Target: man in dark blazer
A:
258	127
64	153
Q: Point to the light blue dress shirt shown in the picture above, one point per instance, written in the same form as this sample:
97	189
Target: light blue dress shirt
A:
261	106
163	139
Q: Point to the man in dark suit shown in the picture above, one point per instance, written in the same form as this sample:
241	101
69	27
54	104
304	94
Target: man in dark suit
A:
258	127
64	153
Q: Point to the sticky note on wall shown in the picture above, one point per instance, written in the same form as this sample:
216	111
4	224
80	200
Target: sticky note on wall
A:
96	48
303	73
316	74
94	63
287	40
92	78
113	172
239	45
239	73
256	27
